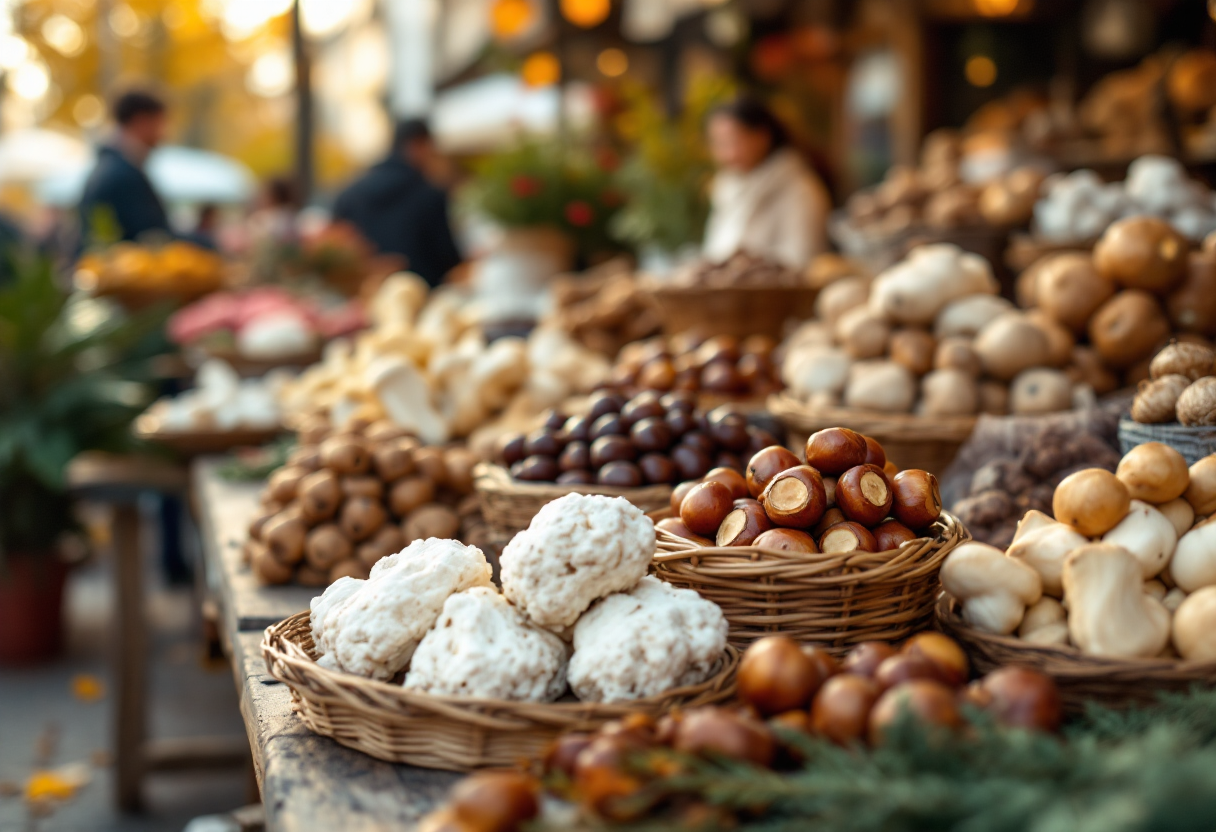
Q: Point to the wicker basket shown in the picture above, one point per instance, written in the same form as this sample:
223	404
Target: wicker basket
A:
910	441
508	505
390	723
738	311
834	601
1115	683
1194	443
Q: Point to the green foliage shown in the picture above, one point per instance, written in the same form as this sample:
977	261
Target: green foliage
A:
68	383
665	179
256	464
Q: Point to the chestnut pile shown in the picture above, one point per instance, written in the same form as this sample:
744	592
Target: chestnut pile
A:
615	774
845	498
647	440
346	499
722	364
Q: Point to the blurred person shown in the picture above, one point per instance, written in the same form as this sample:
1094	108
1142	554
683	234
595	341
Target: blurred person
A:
118	182
207	227
400	209
764	199
274	217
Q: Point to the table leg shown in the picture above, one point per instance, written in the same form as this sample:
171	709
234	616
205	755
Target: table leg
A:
130	659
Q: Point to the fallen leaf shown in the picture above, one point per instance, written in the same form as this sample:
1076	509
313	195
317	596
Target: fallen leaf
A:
87	687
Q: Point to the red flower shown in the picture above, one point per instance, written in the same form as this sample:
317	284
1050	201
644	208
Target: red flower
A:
525	186
579	214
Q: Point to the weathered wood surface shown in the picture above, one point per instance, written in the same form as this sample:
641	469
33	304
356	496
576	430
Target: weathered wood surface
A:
308	783
224	510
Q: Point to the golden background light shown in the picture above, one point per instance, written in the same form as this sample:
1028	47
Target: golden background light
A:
612	62
541	69
509	18
980	71
996	8
586	13
89	110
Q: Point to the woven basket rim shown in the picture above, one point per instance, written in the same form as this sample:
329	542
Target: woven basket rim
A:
675	292
492	477
742	562
951	621
799	415
1126	422
280	648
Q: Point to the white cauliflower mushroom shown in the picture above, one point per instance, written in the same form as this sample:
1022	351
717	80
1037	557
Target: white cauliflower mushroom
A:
577	549
481	646
645	642
371	628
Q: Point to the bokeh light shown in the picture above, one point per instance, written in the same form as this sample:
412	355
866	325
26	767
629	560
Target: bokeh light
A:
980	71
612	62
30	81
272	74
586	13
996	8
509	18
89	111
14	51
541	69
64	35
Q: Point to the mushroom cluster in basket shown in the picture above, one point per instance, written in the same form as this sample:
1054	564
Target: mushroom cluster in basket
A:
1181	387
647	440
577	611
845	498
1126	569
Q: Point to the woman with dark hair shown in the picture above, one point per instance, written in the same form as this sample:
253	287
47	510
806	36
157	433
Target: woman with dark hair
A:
764	199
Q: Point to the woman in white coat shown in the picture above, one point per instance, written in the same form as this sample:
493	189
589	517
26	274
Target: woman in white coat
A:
764	199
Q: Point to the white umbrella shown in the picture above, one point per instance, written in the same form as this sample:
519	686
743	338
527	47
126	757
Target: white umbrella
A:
35	154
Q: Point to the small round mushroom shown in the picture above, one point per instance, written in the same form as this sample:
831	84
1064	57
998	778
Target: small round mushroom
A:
1183	359
1156	401
1040	390
1142	253
1045	622
1201	493
1197	403
1092	501
1193	565
1194	626
1154	472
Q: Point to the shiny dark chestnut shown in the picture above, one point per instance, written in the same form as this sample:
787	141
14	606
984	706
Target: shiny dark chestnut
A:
604	401
575	456
691	462
511	448
576	429
657	469
620	473
536	469
543	442
610	424
651	434
611	449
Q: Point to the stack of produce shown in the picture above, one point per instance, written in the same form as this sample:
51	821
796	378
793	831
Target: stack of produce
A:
1080	206
348	498
931	336
723	365
577	611
845	498
261	324
177	269
1139	284
649	439
426	367
741	270
604	309
222	401
943	195
661	773
1181	387
1127	569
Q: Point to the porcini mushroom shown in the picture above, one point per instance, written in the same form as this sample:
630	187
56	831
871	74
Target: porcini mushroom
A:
1045	622
1043	544
1195	626
1153	472
1147	534
993	589
1109	613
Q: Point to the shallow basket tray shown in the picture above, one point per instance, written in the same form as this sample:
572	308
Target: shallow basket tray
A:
1116	683
148	427
834	601
508	505
732	310
390	723
1194	443
910	441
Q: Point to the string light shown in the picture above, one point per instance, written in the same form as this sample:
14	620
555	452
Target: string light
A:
509	18
980	71
541	69
586	13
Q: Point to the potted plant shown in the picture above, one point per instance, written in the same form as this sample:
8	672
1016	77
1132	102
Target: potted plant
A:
66	385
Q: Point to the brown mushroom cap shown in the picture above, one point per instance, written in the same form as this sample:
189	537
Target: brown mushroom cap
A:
1142	253
1128	328
1153	472
1092	501
1069	289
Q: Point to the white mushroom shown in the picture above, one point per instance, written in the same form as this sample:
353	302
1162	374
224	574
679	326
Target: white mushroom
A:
1043	544
1109	613
1045	622
1156	589
1195	626
1147	534
1180	513
1194	563
993	589
1173	599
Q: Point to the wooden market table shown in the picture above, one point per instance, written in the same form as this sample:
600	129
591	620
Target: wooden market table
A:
307	782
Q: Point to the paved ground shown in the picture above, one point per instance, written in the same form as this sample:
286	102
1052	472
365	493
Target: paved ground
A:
39	712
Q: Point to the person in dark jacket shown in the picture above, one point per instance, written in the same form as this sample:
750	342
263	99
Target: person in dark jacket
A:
118	184
399	210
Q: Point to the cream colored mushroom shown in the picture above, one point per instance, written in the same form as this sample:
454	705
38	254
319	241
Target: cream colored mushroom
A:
1195	626
1153	472
1173	599
1045	622
1201	493
1156	589
1043	544
993	589
1180	513
1147	534
1109	613
1194	563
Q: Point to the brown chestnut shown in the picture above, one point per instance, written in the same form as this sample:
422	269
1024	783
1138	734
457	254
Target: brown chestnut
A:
642	406
847	537
833	516
393	461
679	400
432	464
361	517
575	456
495	801
864	659
536	469
775	676
657	468
730	432
602	402
718	732
892	534
325	546
576	429
651	434
284	537
787	540
511	448
743	525
931	702
676	526
795	498
864	494
705	507
766	464
875	453
542	442
370	487
611	449
918	499
658	374
829	489
563	751
833	451
320	494
691	462
825	661
621	473
731	478
679	492
944	653
700	440
579	477
903	667
722	377
718	348
680	422
841	709
284	483
410	493
345	455
610	424
1020	697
